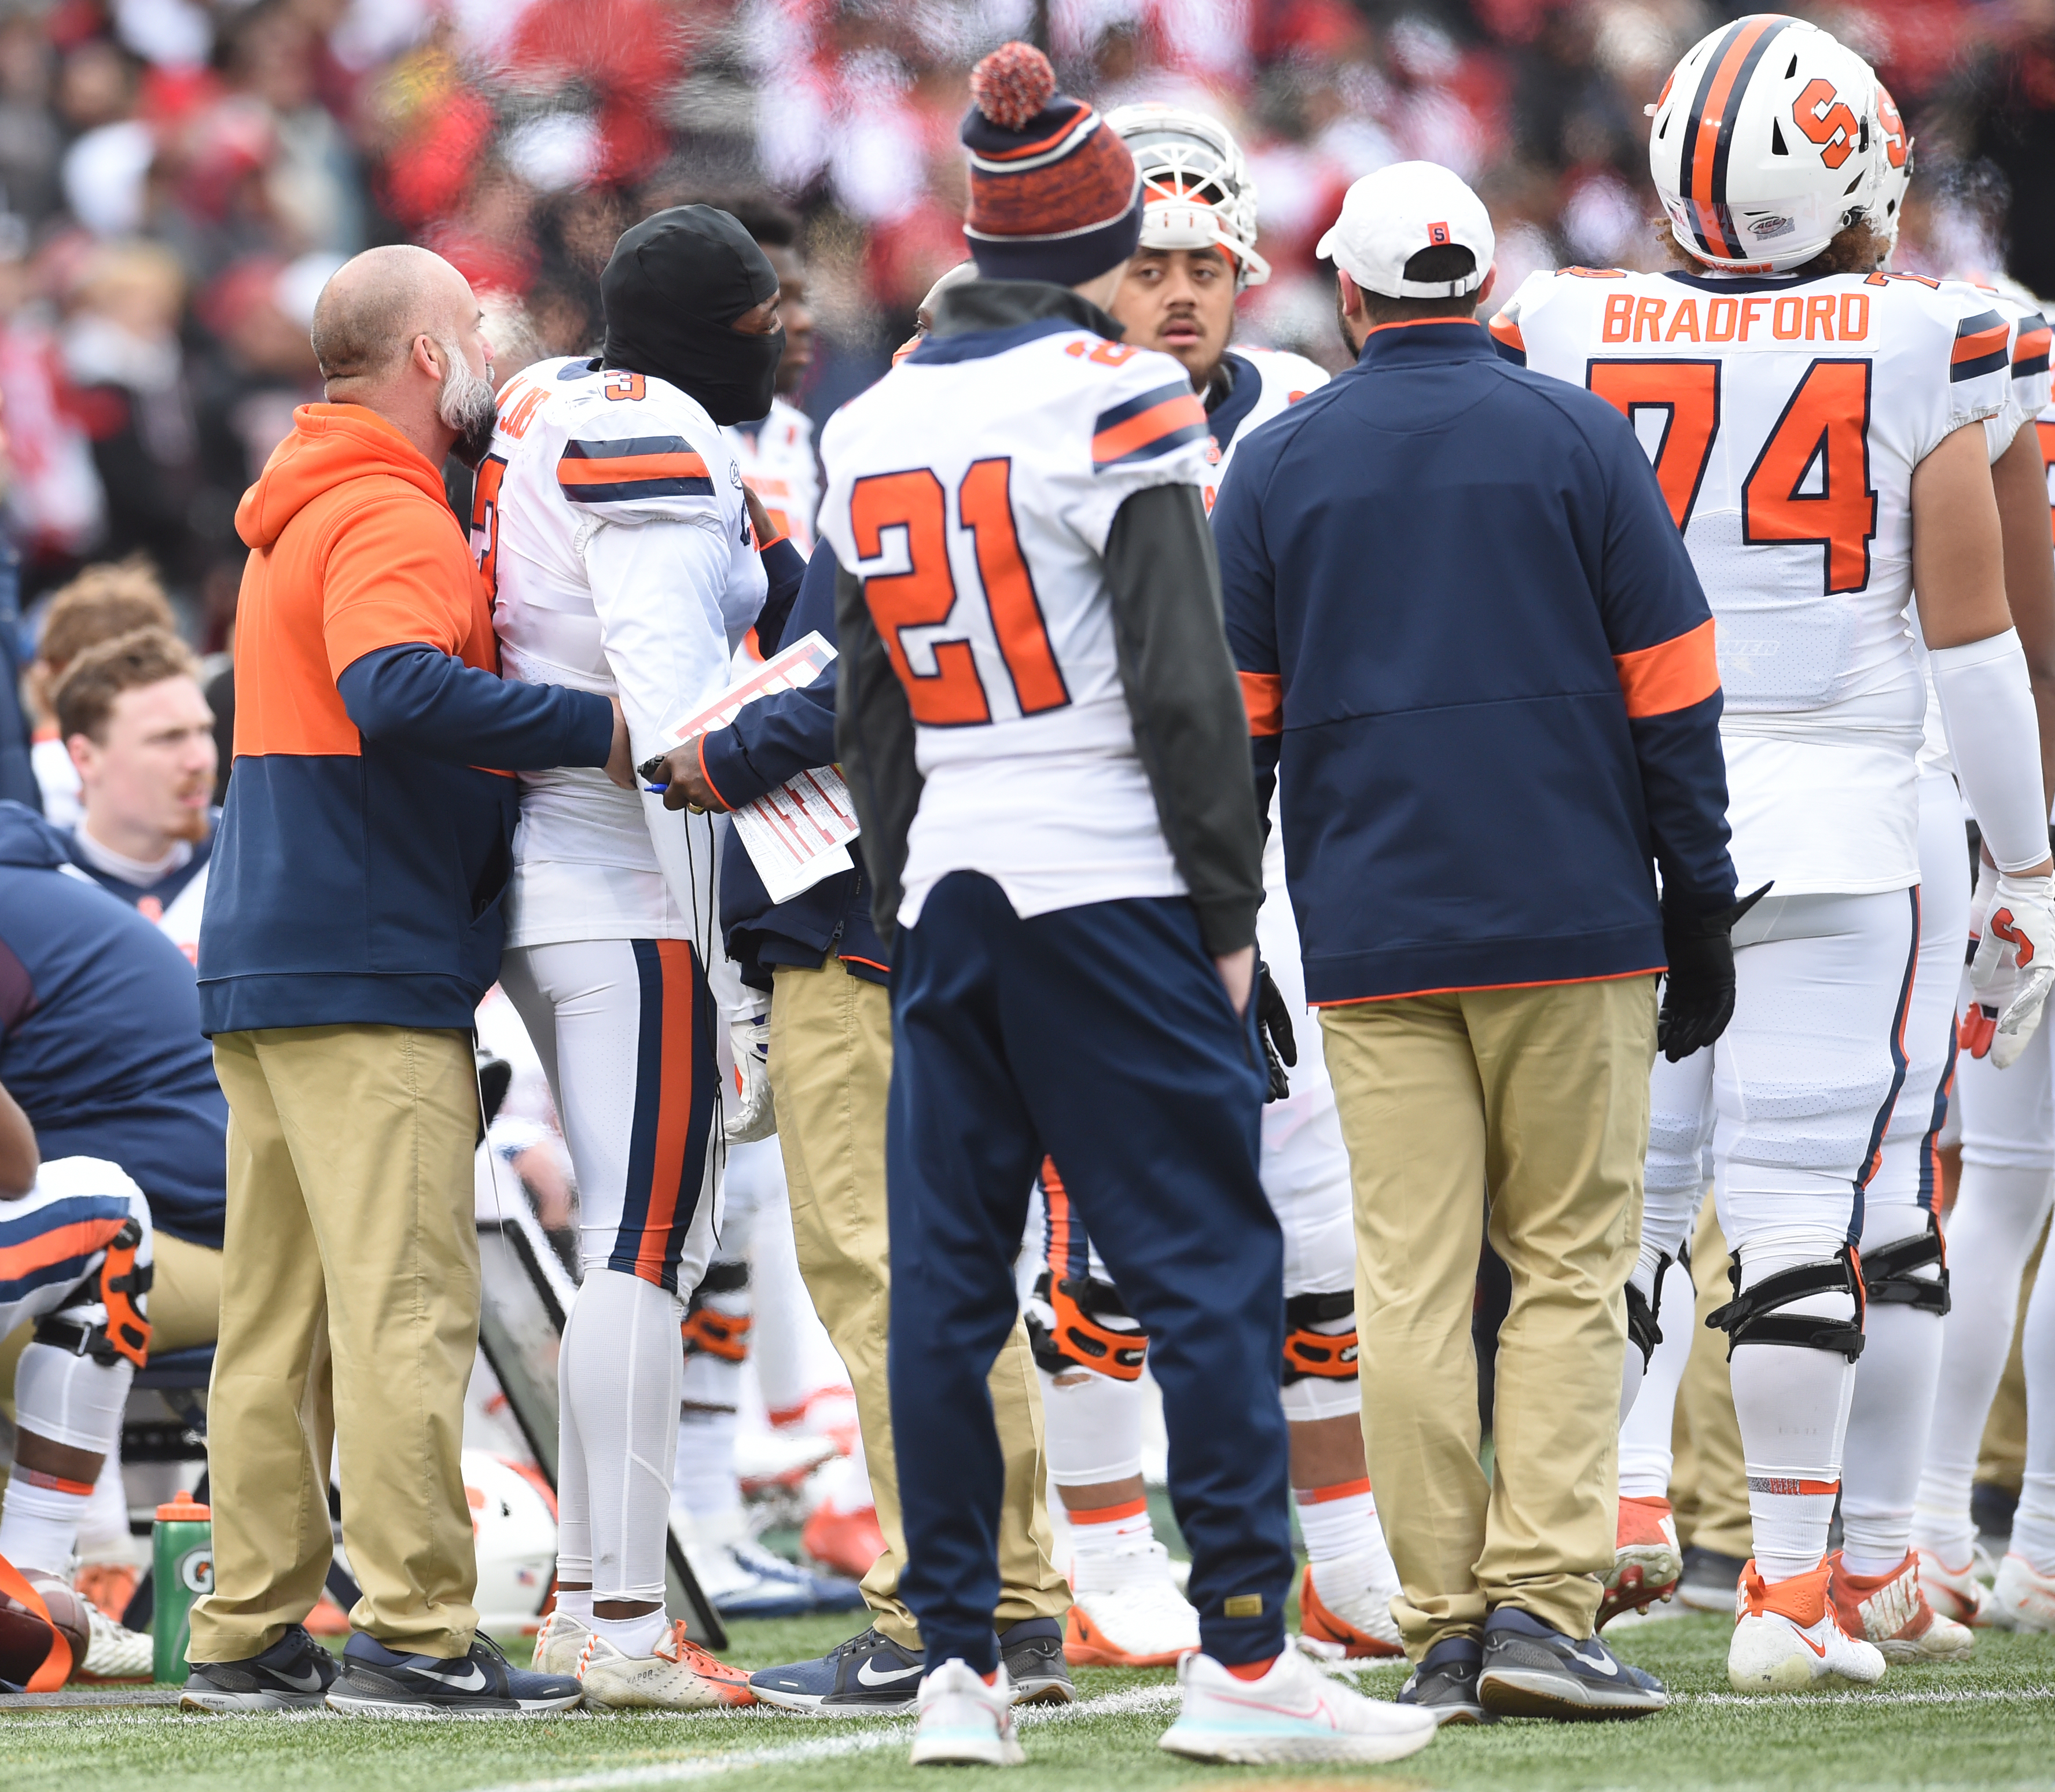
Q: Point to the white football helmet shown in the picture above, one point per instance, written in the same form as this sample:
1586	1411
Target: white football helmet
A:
1765	144
514	1521
1197	189
1894	169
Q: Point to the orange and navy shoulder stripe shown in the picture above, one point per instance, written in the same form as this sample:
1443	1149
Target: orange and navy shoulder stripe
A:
1147	427
2029	351
1709	131
1506	333
1982	343
631	467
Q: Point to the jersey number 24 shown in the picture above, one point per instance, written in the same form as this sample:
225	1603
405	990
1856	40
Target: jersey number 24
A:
925	595
1821	438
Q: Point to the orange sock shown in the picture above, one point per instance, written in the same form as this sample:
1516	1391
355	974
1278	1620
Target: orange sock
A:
1250	1670
991	1679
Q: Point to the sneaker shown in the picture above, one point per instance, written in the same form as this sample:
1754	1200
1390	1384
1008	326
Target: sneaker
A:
741	1580
1955	1593
1354	1622
1293	1713
1647	1561
113	1653
559	1643
829	1592
677	1676
108	1585
379	1681
2022	1599
1787	1638
770	1462
1126	1612
1531	1669
293	1674
1710	1580
1032	1653
1892	1611
847	1542
869	1676
965	1721
1445	1685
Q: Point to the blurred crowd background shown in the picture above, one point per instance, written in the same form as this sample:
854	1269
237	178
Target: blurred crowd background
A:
179	177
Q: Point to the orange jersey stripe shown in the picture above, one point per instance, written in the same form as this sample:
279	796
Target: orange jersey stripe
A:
1672	675
59	1245
630	468
1975	347
1138	431
675	1115
2034	342
1707	149
1263	696
1058	1200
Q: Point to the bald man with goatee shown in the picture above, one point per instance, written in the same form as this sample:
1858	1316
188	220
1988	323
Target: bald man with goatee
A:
353	923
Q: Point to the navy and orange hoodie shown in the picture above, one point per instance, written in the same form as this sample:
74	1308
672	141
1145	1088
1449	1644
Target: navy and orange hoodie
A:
363	853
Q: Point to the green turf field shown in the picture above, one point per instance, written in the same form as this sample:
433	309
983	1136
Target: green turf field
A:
1989	1725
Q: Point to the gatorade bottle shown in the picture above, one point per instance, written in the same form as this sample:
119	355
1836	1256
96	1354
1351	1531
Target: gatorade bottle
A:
182	1569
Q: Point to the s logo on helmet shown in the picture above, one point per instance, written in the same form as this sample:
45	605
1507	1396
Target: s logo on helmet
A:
1896	145
1820	114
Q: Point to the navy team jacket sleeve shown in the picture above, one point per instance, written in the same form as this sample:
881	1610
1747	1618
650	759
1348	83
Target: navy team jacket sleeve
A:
1248	590
1660	629
418	697
777	738
784	568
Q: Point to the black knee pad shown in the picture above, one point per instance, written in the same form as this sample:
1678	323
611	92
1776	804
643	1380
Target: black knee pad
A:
1754	1317
1074	1335
1888	1276
1329	1355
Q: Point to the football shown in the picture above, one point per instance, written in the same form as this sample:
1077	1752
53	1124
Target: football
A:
25	1636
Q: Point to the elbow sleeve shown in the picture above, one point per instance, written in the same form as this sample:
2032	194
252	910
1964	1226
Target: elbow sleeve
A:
1987	705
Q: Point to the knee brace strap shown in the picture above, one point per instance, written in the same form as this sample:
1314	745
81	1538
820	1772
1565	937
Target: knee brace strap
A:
1642	1331
1888	1276
1075	1338
1308	1352
729	1277
1751	1316
122	1284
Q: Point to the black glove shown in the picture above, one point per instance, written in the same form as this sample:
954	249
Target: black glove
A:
1698	993
1273	1019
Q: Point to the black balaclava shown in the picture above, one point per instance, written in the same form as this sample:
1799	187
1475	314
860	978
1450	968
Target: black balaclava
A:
672	286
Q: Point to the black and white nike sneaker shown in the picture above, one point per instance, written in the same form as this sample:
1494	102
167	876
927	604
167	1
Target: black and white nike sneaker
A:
1531	1669
869	1676
376	1682
1032	1652
294	1674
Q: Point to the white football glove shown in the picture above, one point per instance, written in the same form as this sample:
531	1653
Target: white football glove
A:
2014	967
753	1116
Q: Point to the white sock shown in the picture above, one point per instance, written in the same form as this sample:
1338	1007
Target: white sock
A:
1890	1415
705	1481
1337	1521
1092	1427
1645	1433
620	1370
1792	1404
577	1605
39	1520
2033	1524
635	1636
1099	1533
1997	1215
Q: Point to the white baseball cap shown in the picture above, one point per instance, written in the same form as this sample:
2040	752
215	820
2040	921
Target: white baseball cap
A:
1389	217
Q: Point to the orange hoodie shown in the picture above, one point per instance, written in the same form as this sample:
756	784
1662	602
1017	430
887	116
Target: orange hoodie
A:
354	548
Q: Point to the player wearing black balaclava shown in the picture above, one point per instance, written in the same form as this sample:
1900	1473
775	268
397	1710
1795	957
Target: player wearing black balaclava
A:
672	291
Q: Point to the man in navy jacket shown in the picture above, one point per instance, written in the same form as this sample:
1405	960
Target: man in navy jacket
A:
1474	650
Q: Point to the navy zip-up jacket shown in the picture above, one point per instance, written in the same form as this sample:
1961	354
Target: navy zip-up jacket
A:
771	740
1474	649
99	1039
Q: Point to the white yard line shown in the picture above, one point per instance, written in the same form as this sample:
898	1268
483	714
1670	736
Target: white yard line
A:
1839	1696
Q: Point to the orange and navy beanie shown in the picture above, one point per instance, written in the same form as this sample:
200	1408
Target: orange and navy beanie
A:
1054	193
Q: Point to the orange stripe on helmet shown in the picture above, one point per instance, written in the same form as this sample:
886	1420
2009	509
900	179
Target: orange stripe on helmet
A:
1707	204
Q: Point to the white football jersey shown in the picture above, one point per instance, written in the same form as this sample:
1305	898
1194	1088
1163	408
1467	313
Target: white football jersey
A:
611	527
973	488
777	463
1266	380
1784	416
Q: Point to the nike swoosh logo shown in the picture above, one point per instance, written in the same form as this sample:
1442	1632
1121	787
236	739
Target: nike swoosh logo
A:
307	1682
471	1679
1819	1649
866	1675
1603	1663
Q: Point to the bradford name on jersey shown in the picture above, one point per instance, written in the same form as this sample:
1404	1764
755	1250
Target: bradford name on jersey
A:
973	489
1784	416
611	527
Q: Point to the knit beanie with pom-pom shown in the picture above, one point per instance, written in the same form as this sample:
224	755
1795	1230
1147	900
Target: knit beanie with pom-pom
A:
1054	193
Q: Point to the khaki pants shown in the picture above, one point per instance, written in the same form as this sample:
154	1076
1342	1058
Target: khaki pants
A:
349	1314
2001	1457
830	1068
1708	1482
1535	1102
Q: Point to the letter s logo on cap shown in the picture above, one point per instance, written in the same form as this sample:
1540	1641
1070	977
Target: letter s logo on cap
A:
1437	233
